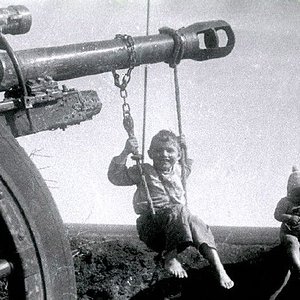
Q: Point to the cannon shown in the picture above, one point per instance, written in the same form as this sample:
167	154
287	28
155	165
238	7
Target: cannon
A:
35	256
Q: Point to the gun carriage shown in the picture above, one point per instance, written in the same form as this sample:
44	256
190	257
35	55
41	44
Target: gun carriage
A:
35	254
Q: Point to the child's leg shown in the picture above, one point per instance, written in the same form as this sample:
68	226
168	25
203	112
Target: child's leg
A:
212	256
292	245
203	240
173	265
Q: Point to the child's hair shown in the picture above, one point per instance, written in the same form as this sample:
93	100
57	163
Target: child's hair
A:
165	136
293	181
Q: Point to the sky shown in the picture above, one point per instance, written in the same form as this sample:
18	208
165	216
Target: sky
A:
240	113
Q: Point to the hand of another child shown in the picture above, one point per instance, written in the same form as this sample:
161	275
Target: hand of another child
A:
294	220
296	211
131	145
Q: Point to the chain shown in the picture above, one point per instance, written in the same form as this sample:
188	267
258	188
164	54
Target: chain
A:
127	118
122	83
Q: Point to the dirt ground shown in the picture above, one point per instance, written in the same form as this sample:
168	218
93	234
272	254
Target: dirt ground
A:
121	267
112	264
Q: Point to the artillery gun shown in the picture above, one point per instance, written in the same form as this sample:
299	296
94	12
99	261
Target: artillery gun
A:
34	252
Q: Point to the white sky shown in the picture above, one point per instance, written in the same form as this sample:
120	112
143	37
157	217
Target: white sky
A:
240	113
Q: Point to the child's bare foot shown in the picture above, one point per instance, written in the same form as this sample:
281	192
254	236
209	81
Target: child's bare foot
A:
225	280
175	268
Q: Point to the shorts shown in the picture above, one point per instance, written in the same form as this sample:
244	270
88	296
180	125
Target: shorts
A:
173	228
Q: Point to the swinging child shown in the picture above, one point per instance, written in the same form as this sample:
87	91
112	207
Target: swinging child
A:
172	228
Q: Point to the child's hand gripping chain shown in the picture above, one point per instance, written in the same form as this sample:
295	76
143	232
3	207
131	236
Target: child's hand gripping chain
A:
132	147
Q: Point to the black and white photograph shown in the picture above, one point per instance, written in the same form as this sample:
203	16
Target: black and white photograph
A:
149	149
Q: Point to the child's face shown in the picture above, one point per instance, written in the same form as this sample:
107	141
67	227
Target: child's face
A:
164	155
295	194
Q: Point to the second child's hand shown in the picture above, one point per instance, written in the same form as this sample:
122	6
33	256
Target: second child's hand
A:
294	221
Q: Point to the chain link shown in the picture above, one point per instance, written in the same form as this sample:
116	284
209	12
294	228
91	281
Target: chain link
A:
122	83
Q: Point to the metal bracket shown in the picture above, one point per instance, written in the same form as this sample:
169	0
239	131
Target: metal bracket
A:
210	31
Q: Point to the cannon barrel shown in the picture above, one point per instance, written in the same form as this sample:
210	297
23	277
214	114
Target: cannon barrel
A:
89	58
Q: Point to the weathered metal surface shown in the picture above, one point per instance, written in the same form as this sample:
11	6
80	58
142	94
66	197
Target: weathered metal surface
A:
26	262
5	268
36	241
77	60
49	112
15	19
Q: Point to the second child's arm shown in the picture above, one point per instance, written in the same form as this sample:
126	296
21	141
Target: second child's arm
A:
289	219
281	214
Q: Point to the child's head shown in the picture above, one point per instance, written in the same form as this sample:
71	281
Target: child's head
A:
293	186
164	150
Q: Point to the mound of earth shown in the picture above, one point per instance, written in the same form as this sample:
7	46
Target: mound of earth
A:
118	266
112	263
